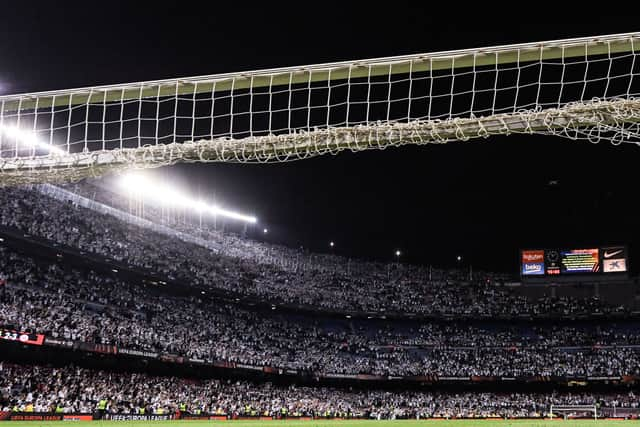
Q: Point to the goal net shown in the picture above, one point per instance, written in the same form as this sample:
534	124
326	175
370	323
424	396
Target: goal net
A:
573	411
583	88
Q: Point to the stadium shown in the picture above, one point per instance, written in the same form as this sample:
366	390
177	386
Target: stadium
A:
445	236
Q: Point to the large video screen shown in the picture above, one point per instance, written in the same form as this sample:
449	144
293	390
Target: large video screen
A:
550	262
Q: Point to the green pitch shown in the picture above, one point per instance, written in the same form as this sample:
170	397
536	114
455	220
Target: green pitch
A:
329	423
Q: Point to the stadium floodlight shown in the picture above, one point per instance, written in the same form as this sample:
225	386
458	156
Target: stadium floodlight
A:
140	185
28	139
200	206
134	183
459	258
398	253
265	231
331	244
229	214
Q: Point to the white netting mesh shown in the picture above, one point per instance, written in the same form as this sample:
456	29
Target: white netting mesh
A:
579	88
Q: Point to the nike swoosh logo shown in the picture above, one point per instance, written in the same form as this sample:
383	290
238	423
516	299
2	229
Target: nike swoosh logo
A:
610	254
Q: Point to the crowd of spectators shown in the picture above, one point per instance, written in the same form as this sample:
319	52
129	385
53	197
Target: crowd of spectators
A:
269	272
63	301
82	303
78	390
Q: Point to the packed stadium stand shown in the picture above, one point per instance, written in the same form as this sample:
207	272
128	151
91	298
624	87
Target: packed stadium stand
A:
47	388
107	309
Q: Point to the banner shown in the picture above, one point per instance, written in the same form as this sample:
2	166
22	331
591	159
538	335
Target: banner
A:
96	348
34	416
43	416
21	337
330	375
58	342
532	262
614	259
614	265
78	417
482	378
604	378
251	367
224	364
368	377
422	378
171	358
135	417
139	353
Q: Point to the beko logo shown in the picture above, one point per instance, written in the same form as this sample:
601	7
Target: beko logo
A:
533	268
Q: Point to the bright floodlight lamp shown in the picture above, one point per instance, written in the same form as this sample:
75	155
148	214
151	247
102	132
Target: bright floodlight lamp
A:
168	197
140	185
200	206
331	244
459	258
134	183
398	253
265	231
230	214
28	139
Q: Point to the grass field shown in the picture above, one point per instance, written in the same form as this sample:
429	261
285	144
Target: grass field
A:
344	423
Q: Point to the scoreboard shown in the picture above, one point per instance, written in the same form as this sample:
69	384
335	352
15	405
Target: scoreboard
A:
553	262
23	337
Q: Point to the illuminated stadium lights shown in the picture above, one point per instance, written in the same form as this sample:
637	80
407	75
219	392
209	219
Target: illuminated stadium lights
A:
229	214
398	253
28	138
140	185
265	231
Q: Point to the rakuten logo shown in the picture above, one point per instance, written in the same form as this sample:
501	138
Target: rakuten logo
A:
532	256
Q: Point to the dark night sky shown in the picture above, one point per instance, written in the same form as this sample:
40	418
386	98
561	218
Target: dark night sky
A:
483	200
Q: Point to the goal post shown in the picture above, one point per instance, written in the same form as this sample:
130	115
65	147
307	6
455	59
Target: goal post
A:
582	88
568	411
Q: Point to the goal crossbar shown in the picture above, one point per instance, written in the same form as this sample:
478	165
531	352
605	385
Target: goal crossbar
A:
456	59
583	88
